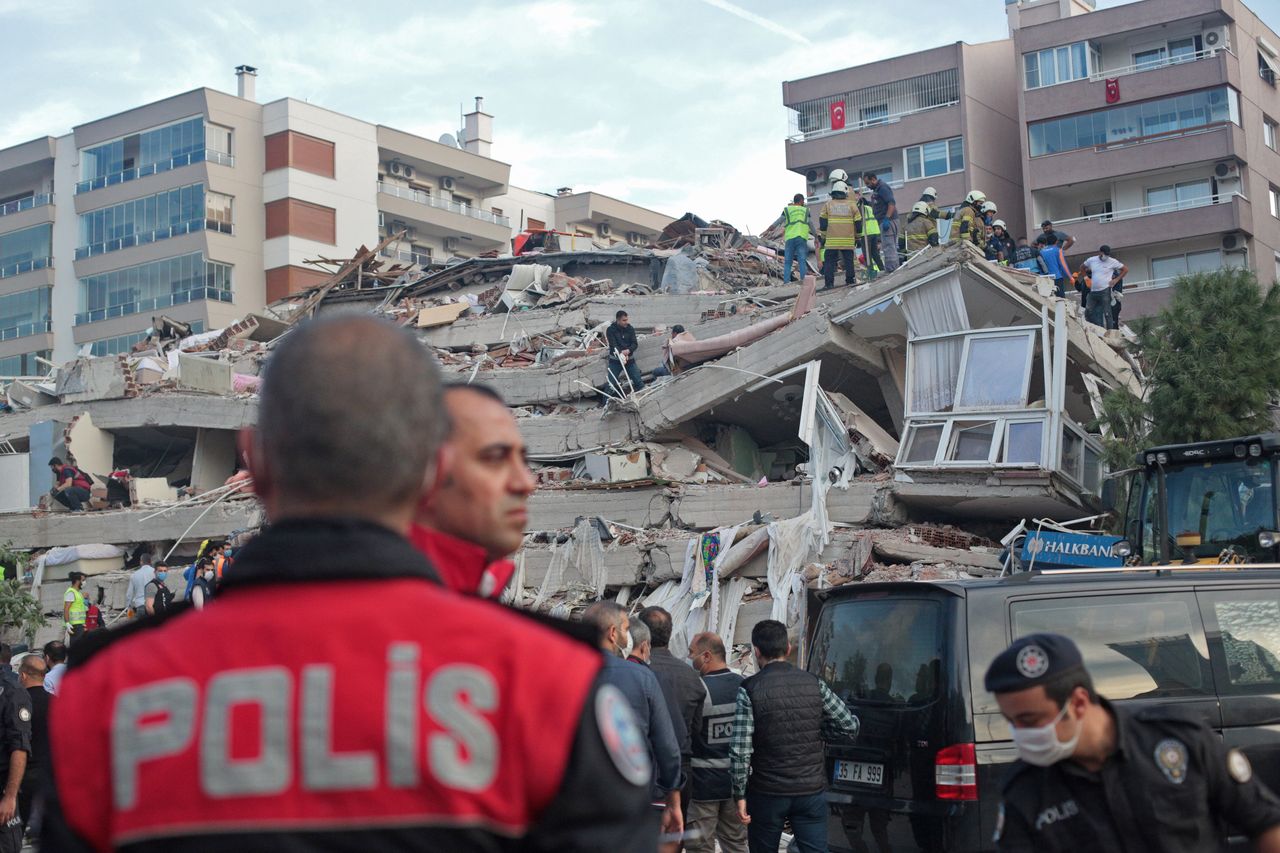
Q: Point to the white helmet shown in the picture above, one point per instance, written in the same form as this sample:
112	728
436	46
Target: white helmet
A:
839	187
921	207
999	223
930	192
838	175
975	196
989	207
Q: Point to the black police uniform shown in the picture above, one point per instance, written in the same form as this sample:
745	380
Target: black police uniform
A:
15	735
1170	786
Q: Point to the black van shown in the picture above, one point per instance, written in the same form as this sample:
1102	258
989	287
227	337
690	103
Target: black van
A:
909	658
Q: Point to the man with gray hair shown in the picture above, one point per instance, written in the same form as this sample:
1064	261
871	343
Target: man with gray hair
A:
415	718
641	642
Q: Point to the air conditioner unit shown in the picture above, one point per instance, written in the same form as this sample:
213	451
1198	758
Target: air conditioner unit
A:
407	170
450	244
396	168
816	176
446	183
635	237
1226	169
1215	38
410	233
1233	242
398	225
603	229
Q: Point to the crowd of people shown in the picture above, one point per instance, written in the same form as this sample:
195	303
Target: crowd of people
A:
354	684
860	228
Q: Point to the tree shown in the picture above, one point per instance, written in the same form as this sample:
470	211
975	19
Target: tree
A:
18	610
1212	361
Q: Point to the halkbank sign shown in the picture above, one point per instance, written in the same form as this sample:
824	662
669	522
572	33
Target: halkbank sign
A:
1051	549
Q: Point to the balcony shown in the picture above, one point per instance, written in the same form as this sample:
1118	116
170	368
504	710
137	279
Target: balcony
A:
205	156
1135	156
1202	70
144	305
444	217
893	134
145	237
25	266
1160	223
28	203
420	258
26	330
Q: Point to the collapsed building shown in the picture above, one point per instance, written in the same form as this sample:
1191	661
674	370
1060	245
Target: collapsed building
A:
802	440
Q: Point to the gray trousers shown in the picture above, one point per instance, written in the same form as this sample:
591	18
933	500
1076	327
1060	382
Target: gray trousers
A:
712	819
889	245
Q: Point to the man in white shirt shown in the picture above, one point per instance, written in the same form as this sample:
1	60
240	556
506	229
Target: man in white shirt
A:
55	655
137	592
1103	271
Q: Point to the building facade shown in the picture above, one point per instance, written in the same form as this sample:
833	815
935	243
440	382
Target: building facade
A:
206	206
1150	127
944	117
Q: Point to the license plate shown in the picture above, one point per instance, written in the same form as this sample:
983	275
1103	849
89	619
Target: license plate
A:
859	772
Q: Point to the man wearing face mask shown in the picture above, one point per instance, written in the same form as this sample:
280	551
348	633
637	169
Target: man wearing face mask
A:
1091	776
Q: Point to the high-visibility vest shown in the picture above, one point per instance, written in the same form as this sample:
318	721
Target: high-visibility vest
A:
78	608
870	225
218	563
797	217
842	230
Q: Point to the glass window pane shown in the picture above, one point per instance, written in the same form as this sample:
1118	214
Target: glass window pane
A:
1193	193
1146	59
1250	626
922	443
1209	261
1133	645
971	441
1063	58
995	372
1032	69
1023	443
1048	76
885	652
913	163
1160	199
935	158
1079	65
1182	49
1036	135
934	367
955	152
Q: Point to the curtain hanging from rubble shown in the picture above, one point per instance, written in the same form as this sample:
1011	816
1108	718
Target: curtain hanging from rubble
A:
932	309
576	566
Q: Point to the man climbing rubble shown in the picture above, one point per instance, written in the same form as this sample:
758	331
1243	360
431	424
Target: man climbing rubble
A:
622	343
458	741
473	518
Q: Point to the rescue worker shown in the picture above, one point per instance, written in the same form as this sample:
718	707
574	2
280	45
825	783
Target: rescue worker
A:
15	749
839	225
1000	247
870	234
922	229
930	198
1091	776
409	718
969	225
795	217
74	608
473	518
989	213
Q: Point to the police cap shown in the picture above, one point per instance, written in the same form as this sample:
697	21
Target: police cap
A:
1032	661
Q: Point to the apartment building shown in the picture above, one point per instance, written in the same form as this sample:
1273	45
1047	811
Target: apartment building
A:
1151	127
944	117
206	205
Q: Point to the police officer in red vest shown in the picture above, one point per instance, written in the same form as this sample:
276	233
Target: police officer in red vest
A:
350	702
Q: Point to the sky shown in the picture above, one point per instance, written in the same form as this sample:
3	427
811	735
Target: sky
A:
672	104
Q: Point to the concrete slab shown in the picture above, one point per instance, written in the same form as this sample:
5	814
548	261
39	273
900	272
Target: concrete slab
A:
711	506
214	459
88	379
204	374
122	527
556	509
498	329
173	409
15	474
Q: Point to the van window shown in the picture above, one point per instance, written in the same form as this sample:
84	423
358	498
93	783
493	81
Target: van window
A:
1249	622
1134	646
880	651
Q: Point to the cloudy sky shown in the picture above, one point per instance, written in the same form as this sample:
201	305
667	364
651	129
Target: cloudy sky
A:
673	104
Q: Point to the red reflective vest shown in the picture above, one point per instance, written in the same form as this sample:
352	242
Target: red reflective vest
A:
463	566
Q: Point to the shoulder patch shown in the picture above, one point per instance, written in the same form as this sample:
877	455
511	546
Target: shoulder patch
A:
621	736
1238	766
24	714
1171	758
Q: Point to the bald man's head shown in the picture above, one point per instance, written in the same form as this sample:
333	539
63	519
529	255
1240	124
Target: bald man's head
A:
350	419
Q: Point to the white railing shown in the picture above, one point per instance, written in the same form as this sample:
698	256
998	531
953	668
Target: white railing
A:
1151	209
207	155
826	196
429	200
1139	67
420	258
875	105
25	203
1148	284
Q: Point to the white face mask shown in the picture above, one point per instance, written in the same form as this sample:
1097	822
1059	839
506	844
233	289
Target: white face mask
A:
208	576
626	650
1040	746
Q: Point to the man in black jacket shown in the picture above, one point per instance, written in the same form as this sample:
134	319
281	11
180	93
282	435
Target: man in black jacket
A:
622	356
782	717
712	815
681	687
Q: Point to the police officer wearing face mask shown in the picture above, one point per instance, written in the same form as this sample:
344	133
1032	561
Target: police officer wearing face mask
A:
1091	776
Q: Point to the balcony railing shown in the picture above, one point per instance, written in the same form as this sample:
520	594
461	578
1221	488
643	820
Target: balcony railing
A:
875	105
27	203
142	238
206	156
1152	209
25	266
26	329
420	258
1152	65
443	204
169	299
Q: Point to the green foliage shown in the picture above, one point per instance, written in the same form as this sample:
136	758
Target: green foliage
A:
17	608
1212	363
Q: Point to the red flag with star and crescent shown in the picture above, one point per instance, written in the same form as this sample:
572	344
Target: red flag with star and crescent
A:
837	115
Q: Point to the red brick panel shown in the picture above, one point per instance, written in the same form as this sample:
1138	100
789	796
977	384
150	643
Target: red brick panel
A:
290	149
283	281
290	217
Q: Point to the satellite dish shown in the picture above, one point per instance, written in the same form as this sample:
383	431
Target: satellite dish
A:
447	139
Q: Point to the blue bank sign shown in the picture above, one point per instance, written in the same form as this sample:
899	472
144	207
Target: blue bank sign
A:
1054	550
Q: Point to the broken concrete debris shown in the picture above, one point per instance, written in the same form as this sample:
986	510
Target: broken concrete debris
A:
784	443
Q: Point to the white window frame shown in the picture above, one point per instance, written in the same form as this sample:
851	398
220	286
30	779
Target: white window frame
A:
1269	129
951	168
950	435
999	442
1092	60
1044	423
1274	195
1028	332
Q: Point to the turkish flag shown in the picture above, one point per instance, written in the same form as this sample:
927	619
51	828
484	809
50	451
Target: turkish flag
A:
837	115
1113	90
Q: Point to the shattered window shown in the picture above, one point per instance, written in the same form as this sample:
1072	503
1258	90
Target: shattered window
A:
995	372
922	443
971	441
1249	622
